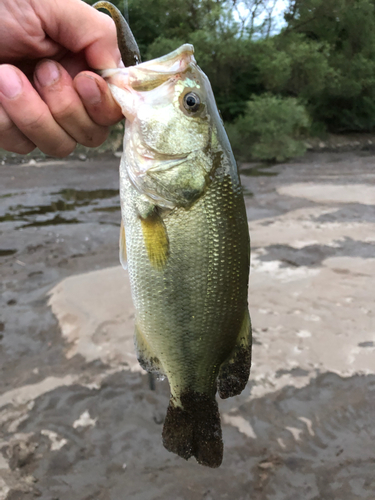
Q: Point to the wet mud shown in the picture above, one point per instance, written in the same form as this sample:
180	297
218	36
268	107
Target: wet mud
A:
78	418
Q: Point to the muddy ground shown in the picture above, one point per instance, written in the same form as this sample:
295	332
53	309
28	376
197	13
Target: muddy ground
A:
78	419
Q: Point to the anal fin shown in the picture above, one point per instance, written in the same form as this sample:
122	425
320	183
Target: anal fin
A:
146	358
234	372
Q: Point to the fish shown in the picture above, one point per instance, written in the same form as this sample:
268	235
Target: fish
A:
185	241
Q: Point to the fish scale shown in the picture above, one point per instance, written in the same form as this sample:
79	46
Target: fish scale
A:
207	293
185	238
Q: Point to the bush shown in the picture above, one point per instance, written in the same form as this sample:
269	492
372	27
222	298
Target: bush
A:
272	128
345	31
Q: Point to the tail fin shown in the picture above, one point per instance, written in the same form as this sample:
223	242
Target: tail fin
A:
194	429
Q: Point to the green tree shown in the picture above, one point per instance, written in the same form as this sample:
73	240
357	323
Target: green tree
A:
345	30
272	128
324	58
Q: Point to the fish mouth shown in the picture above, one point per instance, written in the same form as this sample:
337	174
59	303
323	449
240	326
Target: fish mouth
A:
170	64
151	74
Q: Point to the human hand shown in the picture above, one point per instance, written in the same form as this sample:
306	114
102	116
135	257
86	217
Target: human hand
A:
48	98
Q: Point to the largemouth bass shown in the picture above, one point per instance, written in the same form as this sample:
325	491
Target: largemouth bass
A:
186	244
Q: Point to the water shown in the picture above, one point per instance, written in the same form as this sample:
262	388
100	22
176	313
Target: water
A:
246	192
258	171
115	208
5	252
80	196
63	201
52	222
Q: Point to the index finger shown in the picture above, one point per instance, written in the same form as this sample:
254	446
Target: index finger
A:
78	27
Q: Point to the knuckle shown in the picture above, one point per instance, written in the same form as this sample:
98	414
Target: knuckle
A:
60	150
25	148
35	122
107	115
11	138
65	150
15	145
6	124
64	111
95	138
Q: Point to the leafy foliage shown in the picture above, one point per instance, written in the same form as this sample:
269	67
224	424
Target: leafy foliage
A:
346	28
272	128
323	57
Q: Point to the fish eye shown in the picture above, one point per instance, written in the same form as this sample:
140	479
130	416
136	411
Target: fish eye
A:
192	102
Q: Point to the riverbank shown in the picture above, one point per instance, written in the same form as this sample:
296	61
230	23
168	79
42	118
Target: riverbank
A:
77	417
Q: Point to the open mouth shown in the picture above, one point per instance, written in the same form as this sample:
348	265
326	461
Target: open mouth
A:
151	74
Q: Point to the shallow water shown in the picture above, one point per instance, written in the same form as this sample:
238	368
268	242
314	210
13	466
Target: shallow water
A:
65	200
5	252
259	170
77	427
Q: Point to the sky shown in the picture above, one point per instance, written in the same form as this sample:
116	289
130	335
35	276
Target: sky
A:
278	12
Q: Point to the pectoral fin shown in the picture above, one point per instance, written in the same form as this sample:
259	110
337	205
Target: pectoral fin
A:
156	240
123	257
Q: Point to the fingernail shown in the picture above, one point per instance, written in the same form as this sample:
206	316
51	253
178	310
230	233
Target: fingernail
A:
10	82
47	73
88	90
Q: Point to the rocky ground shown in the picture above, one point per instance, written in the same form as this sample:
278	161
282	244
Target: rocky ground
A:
79	419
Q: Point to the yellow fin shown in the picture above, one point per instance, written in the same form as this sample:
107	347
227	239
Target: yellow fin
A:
123	257
156	240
